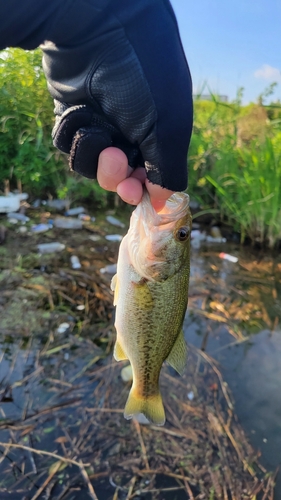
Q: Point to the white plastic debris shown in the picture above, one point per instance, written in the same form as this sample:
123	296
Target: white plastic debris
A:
190	395
75	262
227	256
57	204
114	237
110	269
81	307
41	228
114	221
22	229
217	239
68	223
141	419
75	211
21	217
13	221
94	237
63	327
127	373
84	217
11	202
196	238
50	247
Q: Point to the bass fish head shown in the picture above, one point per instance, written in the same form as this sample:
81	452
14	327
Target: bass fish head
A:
159	242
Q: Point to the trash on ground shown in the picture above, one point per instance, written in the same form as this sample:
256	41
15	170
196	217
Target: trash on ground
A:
13	221
20	217
22	230
115	222
57	204
215	232
11	202
41	228
190	395
68	223
141	419
75	262
63	327
36	203
95	237
84	217
75	211
110	269
114	237
50	247
81	307
227	256
196	238
127	373
218	239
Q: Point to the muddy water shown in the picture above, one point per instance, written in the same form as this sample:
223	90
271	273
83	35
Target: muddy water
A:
247	296
233	315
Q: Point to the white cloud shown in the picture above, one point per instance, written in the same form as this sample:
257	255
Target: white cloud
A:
267	72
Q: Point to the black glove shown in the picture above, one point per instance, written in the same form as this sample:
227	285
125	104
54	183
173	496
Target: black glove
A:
119	77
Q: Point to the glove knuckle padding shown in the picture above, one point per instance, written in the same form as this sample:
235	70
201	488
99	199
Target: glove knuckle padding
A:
120	87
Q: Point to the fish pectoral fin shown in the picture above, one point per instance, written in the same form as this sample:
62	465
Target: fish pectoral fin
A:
151	407
114	285
118	352
178	355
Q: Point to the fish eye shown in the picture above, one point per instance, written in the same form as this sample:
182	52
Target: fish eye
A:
182	233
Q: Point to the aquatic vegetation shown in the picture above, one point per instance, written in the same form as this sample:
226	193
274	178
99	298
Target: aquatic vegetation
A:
236	167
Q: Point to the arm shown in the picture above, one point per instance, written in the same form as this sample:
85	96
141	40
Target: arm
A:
119	76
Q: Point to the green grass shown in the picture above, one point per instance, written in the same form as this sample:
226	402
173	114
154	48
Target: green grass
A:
235	167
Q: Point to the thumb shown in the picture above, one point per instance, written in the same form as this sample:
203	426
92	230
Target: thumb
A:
158	195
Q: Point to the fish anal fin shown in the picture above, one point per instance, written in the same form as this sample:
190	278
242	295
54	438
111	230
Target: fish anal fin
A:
178	355
151	407
118	352
114	285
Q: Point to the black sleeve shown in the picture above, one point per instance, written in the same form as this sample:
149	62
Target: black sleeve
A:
123	60
27	23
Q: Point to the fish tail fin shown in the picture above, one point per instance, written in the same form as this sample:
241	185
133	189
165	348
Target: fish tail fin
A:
151	407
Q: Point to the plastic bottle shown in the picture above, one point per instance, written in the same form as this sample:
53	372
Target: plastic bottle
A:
75	262
114	237
110	269
17	216
50	247
57	204
227	256
68	223
75	211
114	221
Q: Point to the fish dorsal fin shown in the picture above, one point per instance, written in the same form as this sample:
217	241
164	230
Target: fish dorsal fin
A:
114	285
118	352
178	355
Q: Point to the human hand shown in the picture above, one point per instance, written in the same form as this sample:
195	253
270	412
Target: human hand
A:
114	174
122	80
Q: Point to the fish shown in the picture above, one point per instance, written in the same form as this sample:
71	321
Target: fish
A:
151	294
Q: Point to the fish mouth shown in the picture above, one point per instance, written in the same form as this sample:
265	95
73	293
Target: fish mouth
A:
151	233
174	209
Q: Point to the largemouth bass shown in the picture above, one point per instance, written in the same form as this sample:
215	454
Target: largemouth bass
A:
151	291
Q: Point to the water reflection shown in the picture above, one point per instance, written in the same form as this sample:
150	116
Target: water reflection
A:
248	295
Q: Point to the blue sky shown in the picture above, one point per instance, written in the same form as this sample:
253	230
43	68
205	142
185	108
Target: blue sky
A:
232	44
